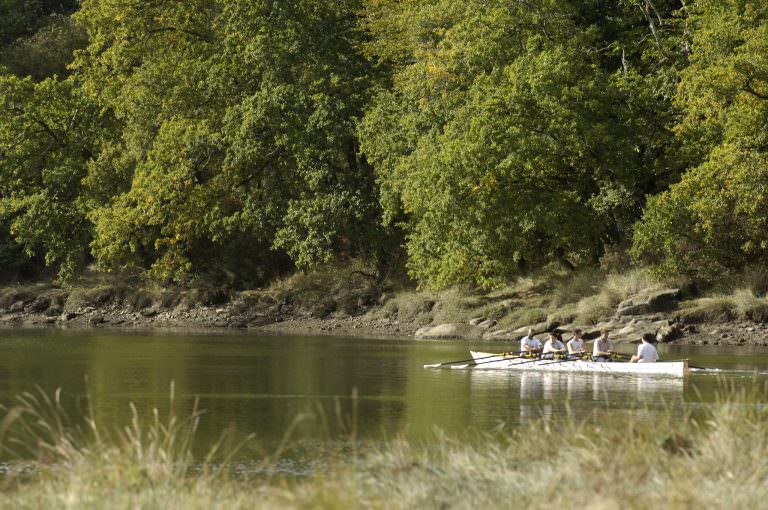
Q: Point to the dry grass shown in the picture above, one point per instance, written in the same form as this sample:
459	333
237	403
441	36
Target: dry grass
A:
341	289
586	296
740	304
717	461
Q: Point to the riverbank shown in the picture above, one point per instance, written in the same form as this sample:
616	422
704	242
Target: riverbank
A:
348	301
714	461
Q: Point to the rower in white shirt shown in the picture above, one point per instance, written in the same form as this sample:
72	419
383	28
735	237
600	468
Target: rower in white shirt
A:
576	344
646	352
553	346
529	344
602	349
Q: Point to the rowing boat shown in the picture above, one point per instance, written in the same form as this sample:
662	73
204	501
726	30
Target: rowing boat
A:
511	362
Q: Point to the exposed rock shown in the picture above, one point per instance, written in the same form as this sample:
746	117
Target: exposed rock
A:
588	332
96	319
17	307
668	333
476	321
487	324
501	334
451	331
67	316
632	331
553	325
649	302
54	311
611	325
664	300
39	304
538	329
628	307
150	312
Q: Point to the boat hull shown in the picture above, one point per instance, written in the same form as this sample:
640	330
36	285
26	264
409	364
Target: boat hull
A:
663	368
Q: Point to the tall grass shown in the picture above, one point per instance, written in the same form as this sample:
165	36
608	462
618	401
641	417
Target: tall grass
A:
740	304
715	461
586	296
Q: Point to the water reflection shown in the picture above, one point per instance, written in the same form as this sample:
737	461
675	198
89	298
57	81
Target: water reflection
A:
261	384
548	394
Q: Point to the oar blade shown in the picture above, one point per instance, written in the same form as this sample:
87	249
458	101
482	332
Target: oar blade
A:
458	367
434	365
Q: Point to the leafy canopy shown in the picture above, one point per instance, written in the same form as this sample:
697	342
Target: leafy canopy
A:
714	220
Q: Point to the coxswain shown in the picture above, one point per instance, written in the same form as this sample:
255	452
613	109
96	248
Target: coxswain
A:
602	349
646	352
529	344
553	347
576	344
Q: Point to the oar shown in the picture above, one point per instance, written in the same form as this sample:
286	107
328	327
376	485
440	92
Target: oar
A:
693	366
628	356
495	360
555	361
438	365
614	355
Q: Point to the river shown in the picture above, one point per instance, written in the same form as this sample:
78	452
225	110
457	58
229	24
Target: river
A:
318	389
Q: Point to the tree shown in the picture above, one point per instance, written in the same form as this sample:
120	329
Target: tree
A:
48	133
237	122
508	138
714	220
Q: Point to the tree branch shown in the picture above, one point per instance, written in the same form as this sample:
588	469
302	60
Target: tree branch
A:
748	88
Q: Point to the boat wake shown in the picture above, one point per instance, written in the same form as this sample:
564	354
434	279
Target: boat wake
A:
729	372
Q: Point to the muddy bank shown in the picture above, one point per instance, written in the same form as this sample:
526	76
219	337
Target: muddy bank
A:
223	316
319	311
358	307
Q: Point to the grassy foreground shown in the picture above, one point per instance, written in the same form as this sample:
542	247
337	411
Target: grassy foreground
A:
715	462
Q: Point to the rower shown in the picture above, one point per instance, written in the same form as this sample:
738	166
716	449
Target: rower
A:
576	344
553	347
646	352
530	345
602	349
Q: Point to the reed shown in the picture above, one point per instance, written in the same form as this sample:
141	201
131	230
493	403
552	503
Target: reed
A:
715	459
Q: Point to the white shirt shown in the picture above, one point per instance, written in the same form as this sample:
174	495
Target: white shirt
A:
575	345
550	346
531	342
600	346
647	353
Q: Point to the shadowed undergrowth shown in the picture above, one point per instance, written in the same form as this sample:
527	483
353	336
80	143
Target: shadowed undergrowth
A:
714	461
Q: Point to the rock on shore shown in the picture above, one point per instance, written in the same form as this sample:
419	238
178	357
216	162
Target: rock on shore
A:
55	307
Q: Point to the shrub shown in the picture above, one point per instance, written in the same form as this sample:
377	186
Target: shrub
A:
91	297
750	307
683	460
713	309
591	310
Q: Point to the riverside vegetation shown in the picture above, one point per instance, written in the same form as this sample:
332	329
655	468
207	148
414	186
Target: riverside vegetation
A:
378	166
460	143
715	458
349	299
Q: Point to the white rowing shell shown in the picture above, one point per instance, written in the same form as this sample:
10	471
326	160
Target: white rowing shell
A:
491	361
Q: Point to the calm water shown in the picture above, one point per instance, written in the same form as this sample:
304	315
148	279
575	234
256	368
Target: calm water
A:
376	388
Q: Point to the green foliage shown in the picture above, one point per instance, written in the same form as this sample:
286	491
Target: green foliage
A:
713	221
46	53
238	122
238	140
36	37
17	18
48	132
499	148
